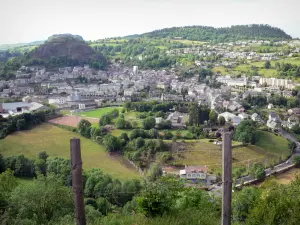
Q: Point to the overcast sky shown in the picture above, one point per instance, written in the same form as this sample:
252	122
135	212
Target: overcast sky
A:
32	20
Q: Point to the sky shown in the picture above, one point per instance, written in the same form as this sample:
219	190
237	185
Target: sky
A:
23	21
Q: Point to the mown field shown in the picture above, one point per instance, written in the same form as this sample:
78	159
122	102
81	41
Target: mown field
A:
99	112
268	150
56	142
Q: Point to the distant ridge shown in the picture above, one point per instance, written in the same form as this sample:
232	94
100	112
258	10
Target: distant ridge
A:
233	33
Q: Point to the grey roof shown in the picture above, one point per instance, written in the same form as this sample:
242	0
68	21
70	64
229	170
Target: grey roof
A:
14	105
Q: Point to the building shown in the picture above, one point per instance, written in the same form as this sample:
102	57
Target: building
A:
294	111
135	70
227	116
194	172
288	84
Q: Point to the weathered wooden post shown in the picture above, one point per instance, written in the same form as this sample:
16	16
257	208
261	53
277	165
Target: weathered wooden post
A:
77	181
227	178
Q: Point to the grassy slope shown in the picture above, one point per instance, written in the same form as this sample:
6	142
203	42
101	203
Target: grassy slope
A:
55	142
269	148
273	144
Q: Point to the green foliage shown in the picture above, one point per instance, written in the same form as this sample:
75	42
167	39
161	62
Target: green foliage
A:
198	114
157	198
121	123
154	172
296	161
149	123
84	128
38	201
213	117
23	121
233	33
112	143
267	64
221	120
258	171
243	202
246	132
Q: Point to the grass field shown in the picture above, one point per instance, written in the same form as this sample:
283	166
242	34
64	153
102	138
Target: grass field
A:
56	142
99	112
273	144
268	150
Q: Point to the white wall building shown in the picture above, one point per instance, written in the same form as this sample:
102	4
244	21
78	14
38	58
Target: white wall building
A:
194	172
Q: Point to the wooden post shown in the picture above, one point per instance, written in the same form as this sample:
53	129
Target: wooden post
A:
77	181
227	179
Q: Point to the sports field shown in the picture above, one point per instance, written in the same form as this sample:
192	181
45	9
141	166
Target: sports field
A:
99	112
56	142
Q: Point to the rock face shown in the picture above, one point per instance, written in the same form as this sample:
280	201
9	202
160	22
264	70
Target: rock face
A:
67	48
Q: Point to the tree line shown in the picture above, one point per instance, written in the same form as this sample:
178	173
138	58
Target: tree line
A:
23	121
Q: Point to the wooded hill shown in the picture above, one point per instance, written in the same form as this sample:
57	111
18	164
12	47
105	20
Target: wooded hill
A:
224	34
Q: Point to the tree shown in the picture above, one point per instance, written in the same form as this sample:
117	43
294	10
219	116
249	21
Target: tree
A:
43	155
258	171
246	132
292	146
21	124
149	123
104	120
267	64
213	116
84	128
243	202
296	161
41	202
112	143
154	172
221	121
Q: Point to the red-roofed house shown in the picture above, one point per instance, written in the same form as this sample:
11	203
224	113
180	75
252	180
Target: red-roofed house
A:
194	172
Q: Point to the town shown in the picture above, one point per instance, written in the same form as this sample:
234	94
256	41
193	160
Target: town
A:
151	119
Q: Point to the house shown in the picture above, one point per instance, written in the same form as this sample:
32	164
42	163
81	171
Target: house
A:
255	117
243	116
272	124
273	121
194	172
291	122
274	117
177	119
294	111
158	120
227	116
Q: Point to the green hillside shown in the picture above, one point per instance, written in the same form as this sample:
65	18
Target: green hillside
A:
203	33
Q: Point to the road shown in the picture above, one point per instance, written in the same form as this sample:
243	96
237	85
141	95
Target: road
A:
280	166
288	163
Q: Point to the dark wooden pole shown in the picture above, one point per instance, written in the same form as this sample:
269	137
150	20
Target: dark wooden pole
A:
77	181
227	179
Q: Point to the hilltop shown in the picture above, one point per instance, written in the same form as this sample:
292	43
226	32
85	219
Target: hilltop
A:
65	50
233	33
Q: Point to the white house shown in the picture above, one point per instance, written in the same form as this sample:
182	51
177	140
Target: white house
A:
227	116
194	172
243	116
270	106
158	120
255	117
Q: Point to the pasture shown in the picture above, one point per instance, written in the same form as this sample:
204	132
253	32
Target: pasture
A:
269	149
56	142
